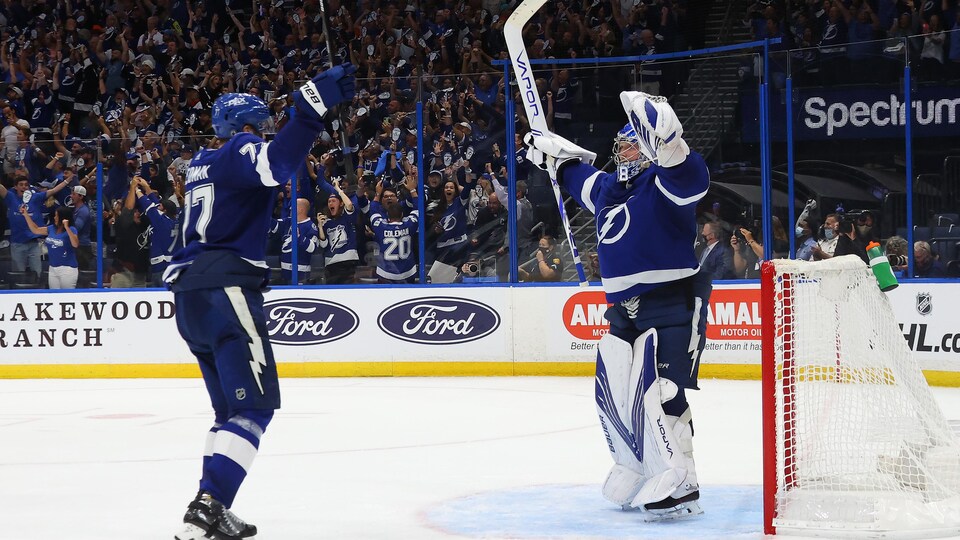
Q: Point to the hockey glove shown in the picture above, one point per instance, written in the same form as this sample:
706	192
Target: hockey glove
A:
550	151
658	128
326	90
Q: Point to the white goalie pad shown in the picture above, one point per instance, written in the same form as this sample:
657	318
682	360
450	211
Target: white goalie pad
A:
657	127
652	451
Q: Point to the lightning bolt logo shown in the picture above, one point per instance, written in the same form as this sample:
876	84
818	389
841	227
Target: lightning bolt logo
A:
608	222
256	366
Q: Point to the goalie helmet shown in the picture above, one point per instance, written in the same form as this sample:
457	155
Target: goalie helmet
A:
627	156
233	111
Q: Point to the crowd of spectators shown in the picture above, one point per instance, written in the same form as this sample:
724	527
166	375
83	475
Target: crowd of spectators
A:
858	41
128	85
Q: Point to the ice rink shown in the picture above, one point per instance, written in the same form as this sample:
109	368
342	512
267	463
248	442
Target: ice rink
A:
400	458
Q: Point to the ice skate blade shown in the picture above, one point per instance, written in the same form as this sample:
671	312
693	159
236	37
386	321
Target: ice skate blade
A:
192	532
683	510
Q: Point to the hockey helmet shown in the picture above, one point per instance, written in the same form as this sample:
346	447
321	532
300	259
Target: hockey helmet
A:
627	155
233	111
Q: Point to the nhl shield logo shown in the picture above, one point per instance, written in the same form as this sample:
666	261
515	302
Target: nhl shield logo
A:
924	303
241	393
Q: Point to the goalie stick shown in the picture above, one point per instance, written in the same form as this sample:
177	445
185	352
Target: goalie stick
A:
536	115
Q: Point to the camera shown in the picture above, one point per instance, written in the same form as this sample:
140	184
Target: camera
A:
473	267
897	260
850	218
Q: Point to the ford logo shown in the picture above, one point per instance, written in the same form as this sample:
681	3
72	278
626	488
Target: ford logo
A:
439	321
305	321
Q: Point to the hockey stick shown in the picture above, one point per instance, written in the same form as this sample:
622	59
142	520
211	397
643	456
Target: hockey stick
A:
347	151
536	116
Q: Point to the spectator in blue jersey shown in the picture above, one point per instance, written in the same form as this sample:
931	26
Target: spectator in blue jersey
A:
449	230
646	230
83	221
61	241
338	238
307	243
396	234
163	233
217	278
24	246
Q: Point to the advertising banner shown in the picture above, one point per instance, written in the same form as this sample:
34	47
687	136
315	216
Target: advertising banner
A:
862	112
410	330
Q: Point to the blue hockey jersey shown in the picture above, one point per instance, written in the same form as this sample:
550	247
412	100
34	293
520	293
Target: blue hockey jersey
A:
163	232
228	205
307	242
646	231
398	258
340	242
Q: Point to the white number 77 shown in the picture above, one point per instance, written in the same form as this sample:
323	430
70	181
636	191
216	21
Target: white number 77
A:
202	196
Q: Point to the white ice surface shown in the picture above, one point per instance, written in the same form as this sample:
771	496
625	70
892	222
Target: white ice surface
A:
401	458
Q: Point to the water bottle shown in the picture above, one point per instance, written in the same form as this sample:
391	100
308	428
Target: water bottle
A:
881	268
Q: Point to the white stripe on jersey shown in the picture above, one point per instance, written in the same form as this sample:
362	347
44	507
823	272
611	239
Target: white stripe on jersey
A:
263	167
587	189
679	201
622	283
239	450
242	310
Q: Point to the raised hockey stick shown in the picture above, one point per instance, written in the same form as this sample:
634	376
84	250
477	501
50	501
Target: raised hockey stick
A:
536	115
347	151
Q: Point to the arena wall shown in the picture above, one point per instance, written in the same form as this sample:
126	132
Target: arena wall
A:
413	331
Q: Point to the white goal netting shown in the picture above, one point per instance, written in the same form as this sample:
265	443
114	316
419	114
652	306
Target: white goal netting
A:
862	447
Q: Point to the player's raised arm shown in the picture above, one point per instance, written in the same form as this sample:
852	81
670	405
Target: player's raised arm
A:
313	100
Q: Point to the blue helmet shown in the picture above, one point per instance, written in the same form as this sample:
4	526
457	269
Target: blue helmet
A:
627	156
233	111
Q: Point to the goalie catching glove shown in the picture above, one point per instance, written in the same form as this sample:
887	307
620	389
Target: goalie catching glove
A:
326	90
549	151
658	129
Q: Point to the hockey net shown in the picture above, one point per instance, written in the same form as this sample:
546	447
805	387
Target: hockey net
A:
855	444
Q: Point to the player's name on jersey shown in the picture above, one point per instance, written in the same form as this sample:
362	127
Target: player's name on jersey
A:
195	174
396	232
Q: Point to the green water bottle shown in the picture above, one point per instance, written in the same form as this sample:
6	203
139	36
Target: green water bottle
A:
881	268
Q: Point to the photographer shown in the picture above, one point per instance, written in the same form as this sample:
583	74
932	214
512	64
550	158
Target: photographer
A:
826	247
747	253
925	263
896	252
849	241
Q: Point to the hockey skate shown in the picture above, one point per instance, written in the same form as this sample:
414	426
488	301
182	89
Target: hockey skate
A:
671	508
208	519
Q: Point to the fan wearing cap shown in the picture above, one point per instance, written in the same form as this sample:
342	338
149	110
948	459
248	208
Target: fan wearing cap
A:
83	221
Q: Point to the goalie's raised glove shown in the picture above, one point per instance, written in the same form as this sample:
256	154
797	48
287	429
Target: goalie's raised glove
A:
326	90
658	129
550	151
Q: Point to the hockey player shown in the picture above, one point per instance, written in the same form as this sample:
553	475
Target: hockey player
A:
217	279
646	231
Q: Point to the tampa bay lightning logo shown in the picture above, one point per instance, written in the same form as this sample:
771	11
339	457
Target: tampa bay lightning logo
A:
338	237
449	222
829	33
614	222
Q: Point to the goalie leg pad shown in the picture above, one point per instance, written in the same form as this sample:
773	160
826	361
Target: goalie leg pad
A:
614	359
665	464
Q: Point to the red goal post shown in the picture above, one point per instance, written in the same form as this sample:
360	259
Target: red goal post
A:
855	445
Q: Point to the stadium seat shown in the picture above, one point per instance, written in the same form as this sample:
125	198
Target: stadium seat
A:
953	268
946	220
921	233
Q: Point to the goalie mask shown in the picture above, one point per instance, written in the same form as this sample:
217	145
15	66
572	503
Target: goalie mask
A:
627	155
